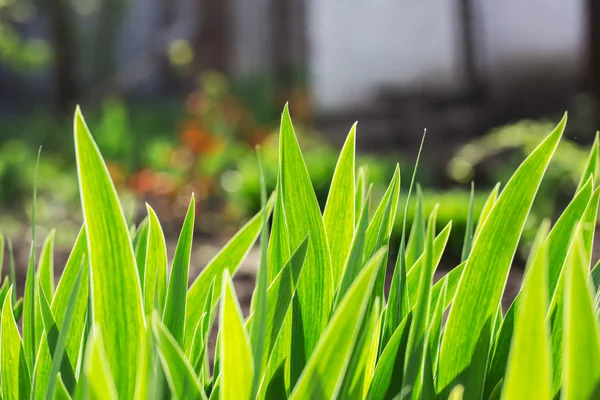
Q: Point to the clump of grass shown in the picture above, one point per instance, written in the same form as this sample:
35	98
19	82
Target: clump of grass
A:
120	325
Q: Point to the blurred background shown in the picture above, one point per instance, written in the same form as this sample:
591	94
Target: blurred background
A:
179	92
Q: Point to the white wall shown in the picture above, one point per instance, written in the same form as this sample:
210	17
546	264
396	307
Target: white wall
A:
356	46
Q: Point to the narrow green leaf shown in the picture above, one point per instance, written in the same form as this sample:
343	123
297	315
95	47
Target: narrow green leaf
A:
468	241
13	271
487	208
115	282
324	371
529	370
388	376
229	257
140	247
259	303
418	329
61	392
175	303
237	367
591	165
360	196
581	366
155	277
97	382
485	274
315	293
279	245
435	326
416	240
76	264
339	210
13	364
183	382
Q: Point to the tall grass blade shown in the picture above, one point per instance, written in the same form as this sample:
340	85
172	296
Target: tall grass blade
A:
468	241
97	382
155	277
175	302
416	240
485	274
115	282
46	265
339	211
237	366
13	363
324	371
315	292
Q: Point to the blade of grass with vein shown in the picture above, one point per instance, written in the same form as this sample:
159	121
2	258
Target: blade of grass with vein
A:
529	369
435	326
360	369
60	391
279	321
237	366
115	282
229	257
175	302
140	247
504	333
391	364
487	208
324	371
355	260
46	265
29	302
315	293
418	329
581	332
468	241
155	277
76	264
416	240
59	361
258	329
97	381
486	271
360	196
439	245
339	211
180	374
13	364
592	164
399	302
279	246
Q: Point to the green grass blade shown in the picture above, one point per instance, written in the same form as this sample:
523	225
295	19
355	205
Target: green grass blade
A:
418	329
388	376
76	264
414	274
229	257
468	242
581	368
175	303
355	260
485	274
490	202
315	292
259	303
46	265
592	165
359	370
180	374
435	326
59	351
155	277
360	196
97	381
61	392
529	370
324	371
16	383
279	245
115	282
416	240
237	367
339	210
140	247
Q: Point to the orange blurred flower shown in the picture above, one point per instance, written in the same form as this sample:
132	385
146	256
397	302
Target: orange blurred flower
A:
197	139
